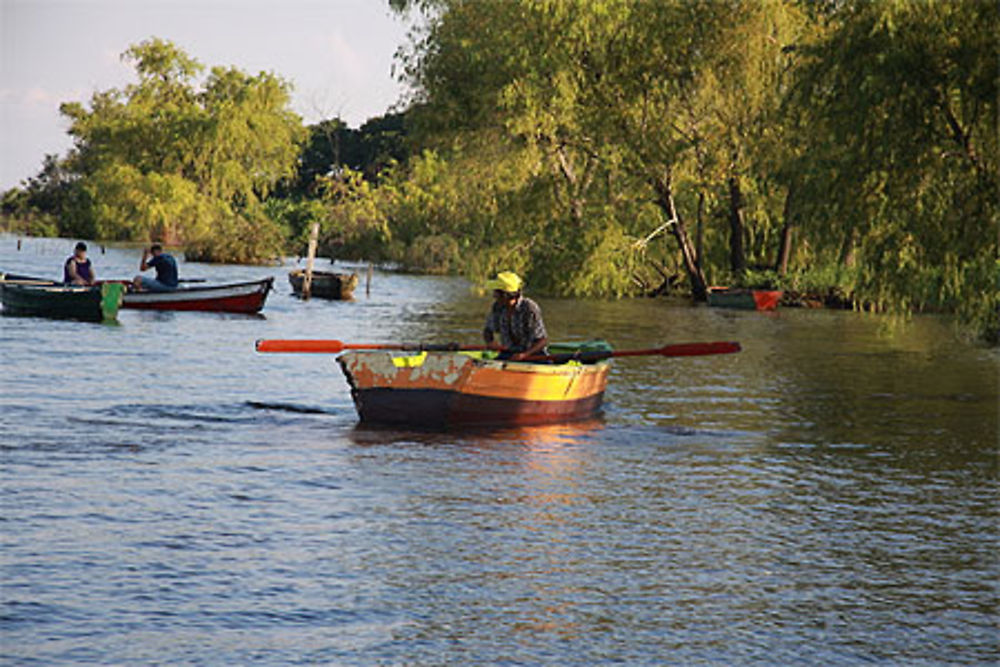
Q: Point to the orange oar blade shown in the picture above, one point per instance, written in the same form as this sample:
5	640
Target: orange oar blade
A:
309	346
698	349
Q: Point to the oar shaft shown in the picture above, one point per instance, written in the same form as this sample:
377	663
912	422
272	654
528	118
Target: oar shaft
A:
322	346
686	350
677	350
336	346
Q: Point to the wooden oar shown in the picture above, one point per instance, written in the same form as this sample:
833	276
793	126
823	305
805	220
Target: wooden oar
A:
336	346
676	350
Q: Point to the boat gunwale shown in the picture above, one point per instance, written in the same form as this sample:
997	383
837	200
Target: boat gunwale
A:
506	365
264	282
26	281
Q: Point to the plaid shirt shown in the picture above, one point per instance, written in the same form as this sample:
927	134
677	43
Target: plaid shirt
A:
518	328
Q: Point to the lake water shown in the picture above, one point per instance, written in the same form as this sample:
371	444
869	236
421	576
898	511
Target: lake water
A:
829	495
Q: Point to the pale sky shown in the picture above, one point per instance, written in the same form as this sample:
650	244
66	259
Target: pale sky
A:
338	54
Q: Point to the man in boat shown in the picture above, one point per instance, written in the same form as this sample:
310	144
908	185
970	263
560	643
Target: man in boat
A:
166	270
78	270
516	318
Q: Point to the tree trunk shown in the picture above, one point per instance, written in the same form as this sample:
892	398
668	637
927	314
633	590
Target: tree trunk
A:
665	200
737	256
847	249
699	238
576	186
785	249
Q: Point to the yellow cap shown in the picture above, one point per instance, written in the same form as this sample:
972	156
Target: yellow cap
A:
506	281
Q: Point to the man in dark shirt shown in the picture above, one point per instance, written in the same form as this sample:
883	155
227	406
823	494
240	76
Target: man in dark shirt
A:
78	270
166	270
516	318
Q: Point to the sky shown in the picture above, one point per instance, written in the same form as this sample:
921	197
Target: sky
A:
337	54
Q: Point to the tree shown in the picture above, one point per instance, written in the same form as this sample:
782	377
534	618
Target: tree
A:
516	74
901	164
332	145
164	159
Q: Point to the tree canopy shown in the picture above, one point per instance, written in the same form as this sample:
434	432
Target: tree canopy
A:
844	145
172	158
847	150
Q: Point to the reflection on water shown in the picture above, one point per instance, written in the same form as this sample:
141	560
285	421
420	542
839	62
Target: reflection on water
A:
828	495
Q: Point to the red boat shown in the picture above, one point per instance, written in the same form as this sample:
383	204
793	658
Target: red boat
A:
245	297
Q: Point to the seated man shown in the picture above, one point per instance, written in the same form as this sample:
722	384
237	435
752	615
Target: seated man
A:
516	318
166	270
77	270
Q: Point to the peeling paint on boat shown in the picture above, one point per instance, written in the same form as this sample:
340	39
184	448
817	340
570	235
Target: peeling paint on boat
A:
448	387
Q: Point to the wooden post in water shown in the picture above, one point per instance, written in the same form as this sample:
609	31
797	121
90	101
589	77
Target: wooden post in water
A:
368	281
310	258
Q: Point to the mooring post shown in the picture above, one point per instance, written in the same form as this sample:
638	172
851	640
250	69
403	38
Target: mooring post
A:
368	281
310	258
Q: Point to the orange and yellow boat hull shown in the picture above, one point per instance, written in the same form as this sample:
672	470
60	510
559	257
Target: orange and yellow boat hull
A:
439	389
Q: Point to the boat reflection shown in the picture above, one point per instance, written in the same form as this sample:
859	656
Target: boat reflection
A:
527	505
539	438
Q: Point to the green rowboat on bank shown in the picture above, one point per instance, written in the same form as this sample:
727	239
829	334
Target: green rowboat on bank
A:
744	299
43	298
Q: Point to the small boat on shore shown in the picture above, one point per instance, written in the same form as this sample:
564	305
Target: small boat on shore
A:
742	298
325	284
246	297
441	389
22	295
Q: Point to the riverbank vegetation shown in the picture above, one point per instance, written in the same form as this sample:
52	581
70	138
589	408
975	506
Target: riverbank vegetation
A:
847	151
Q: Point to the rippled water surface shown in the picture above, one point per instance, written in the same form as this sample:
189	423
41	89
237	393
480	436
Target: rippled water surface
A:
829	495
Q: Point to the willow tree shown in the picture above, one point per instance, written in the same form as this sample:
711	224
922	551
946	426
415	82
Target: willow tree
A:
902	164
624	103
474	181
519	78
166	158
693	95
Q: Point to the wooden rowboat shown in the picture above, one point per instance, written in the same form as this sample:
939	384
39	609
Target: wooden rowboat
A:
746	299
22	295
440	389
247	297
325	284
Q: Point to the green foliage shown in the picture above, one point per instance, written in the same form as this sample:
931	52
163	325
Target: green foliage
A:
598	147
237	239
355	225
294	218
165	159
332	146
437	253
18	216
900	169
866	129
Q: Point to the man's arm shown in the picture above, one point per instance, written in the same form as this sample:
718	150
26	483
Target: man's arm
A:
535	348
488	330
145	255
539	337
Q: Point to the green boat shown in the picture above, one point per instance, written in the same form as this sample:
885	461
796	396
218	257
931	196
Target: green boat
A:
745	299
21	295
